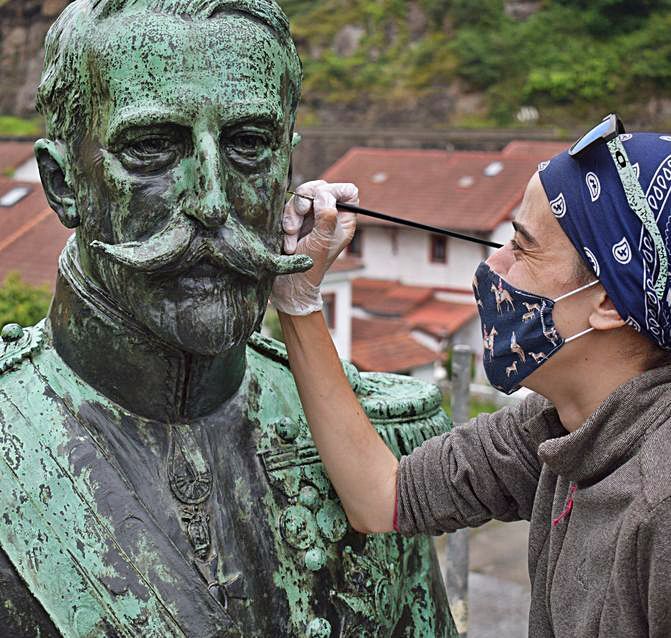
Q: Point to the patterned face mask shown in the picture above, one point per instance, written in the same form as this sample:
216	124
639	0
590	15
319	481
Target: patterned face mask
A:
517	328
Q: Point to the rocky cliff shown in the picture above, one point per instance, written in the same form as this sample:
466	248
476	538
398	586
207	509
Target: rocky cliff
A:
23	25
437	64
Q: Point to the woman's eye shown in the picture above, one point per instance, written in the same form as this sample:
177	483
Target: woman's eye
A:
515	246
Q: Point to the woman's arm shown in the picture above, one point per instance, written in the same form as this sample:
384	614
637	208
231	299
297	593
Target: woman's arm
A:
359	464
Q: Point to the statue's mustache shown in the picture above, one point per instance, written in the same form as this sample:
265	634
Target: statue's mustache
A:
179	246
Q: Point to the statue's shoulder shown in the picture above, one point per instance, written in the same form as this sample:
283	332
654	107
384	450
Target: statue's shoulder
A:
270	348
18	344
405	411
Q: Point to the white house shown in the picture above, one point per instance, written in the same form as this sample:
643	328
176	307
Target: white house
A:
417	282
337	295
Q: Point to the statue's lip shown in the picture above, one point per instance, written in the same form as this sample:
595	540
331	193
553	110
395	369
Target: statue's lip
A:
204	269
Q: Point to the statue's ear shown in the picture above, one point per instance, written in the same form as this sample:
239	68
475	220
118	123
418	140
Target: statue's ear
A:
52	163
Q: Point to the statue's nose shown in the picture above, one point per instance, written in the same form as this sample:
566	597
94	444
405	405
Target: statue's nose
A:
211	205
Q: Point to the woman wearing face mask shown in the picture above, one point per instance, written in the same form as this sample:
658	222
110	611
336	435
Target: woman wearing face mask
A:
577	307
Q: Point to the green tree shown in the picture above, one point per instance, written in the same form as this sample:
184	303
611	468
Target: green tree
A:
271	322
483	13
605	17
295	7
22	303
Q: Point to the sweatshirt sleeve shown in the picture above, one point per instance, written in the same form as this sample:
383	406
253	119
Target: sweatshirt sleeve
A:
654	567
487	468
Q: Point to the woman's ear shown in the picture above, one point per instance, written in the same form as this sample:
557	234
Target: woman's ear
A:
52	163
604	315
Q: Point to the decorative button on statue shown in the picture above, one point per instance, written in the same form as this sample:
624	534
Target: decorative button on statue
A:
157	477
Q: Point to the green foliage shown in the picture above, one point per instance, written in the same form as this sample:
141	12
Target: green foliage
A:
22	303
294	8
436	10
572	59
271	323
483	13
604	17
475	407
12	126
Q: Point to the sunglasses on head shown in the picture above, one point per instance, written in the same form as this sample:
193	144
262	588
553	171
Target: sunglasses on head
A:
608	132
608	129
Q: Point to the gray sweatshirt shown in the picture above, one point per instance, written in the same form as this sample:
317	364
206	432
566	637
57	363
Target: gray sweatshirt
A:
598	499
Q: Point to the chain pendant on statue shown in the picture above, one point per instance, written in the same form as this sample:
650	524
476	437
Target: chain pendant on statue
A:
190	479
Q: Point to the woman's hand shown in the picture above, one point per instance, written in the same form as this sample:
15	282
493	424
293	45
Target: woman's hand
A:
360	465
313	226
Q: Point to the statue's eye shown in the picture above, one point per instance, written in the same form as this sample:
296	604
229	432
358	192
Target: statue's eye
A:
151	146
249	149
249	144
151	153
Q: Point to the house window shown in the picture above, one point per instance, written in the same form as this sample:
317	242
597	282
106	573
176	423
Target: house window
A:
438	249
330	309
14	196
394	240
355	247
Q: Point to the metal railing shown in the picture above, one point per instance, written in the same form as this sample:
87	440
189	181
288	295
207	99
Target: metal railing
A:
456	565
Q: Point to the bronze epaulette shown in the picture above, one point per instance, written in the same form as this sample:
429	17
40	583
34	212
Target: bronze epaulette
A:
404	410
17	344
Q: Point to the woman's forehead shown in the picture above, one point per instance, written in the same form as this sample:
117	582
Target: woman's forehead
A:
535	215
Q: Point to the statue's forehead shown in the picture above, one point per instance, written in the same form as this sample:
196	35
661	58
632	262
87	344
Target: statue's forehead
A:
230	66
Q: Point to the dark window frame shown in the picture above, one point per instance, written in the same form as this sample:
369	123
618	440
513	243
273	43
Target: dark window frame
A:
329	310
434	256
355	247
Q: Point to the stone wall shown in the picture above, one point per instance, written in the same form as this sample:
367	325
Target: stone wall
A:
23	25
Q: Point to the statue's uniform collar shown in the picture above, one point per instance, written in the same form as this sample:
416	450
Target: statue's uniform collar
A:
118	357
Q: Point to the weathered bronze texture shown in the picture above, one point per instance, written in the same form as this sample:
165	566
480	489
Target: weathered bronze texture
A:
157	476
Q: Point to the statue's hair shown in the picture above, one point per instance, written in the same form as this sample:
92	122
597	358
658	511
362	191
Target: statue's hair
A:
60	95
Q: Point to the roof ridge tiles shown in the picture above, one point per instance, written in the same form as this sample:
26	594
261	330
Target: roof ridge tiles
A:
25	228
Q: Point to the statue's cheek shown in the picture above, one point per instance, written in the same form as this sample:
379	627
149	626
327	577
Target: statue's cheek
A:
138	204
270	189
258	200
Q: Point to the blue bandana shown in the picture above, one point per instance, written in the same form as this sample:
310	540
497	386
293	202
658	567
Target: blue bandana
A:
626	248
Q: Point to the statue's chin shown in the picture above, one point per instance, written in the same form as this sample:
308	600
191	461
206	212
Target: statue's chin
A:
212	323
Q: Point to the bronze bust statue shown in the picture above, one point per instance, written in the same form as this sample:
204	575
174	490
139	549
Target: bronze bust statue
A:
157	477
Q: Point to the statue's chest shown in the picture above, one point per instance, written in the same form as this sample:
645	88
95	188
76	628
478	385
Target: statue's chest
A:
244	497
226	526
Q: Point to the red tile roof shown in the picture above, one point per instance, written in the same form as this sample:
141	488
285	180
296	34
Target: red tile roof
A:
538	151
363	329
392	353
31	237
387	345
441	319
388	298
13	154
442	188
346	264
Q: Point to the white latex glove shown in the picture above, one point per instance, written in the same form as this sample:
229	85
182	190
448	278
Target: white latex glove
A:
317	229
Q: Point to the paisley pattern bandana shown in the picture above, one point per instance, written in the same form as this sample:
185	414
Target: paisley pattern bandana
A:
518	331
619	221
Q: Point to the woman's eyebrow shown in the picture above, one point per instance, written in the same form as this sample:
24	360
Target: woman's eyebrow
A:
528	237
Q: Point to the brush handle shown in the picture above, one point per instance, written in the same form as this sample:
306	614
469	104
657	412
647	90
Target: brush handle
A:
413	224
406	222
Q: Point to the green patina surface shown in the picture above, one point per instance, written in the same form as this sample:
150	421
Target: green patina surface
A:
67	553
157	475
51	528
388	575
